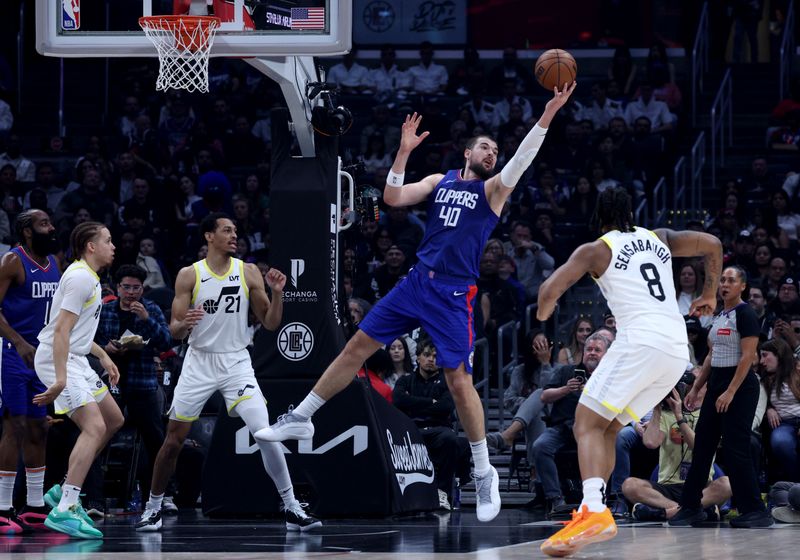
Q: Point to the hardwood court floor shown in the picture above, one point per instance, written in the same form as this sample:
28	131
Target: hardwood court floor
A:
515	533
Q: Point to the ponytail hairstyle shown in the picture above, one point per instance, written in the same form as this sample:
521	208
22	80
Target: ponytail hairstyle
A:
82	235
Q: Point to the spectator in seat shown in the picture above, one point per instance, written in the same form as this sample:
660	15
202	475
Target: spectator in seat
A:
467	75
358	308
510	98
387	80
350	76
762	255
510	69
622	70
781	381
602	109
424	397
563	392
502	296
661	120
671	431
389	273
765	318
788	220
483	113
787	302
523	397
774	279
427	77
26	169
380	125
573	350
147	261
532	260
688	286
401	361
507	271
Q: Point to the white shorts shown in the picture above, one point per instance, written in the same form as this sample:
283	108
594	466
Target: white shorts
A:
83	385
230	373
631	380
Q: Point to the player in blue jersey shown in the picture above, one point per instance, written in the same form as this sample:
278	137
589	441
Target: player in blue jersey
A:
29	276
464	206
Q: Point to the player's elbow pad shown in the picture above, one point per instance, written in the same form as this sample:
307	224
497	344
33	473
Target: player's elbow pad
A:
524	156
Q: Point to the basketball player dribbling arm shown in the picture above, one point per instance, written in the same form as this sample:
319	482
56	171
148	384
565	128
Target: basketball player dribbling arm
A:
593	258
499	187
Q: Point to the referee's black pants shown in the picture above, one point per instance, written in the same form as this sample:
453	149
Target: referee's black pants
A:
733	428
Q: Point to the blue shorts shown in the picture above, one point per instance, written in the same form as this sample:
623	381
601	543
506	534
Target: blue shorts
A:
19	384
442	307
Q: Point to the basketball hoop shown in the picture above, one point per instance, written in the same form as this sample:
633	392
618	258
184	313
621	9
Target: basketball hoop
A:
183	44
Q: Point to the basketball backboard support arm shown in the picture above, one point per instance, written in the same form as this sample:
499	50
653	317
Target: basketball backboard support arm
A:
292	73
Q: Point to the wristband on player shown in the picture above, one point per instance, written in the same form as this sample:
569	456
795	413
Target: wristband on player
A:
395	179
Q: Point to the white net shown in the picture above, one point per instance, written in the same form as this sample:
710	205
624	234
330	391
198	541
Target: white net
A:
183	44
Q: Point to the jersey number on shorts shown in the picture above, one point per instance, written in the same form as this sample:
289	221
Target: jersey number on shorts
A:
450	215
653	279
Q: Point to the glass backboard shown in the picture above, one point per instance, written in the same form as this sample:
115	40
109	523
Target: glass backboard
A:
250	28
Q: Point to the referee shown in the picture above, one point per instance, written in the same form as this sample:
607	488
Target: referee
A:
728	409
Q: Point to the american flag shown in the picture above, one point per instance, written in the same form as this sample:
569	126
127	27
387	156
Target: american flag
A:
308	18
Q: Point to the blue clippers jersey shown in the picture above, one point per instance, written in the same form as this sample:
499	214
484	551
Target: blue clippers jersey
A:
26	307
460	222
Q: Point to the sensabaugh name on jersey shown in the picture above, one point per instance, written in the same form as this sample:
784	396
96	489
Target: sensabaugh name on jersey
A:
637	246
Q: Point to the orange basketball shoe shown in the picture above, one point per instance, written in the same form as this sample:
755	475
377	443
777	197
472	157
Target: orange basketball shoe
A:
585	528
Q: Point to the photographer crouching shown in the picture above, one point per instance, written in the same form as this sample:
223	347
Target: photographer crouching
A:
671	431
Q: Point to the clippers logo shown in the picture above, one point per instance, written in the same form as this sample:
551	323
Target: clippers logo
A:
298	266
295	342
71	14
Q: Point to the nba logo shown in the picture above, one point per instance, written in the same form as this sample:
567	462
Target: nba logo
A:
71	14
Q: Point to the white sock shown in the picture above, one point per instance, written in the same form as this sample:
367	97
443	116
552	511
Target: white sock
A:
593	490
34	480
7	479
310	405
287	496
480	457
69	497
155	501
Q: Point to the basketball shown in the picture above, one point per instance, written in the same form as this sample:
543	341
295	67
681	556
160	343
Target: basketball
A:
554	68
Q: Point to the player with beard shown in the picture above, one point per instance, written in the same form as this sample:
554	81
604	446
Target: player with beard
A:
464	206
29	277
211	305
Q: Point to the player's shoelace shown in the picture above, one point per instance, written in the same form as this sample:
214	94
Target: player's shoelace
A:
297	509
290	416
483	487
577	517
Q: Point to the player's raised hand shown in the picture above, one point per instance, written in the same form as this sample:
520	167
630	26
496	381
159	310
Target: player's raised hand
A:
276	279
560	98
409	139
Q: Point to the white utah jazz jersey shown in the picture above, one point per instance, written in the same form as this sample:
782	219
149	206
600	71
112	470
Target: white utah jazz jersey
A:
226	302
638	287
78	292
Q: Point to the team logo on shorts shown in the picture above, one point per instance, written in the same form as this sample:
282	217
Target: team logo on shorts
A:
243	389
471	357
99	384
295	341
